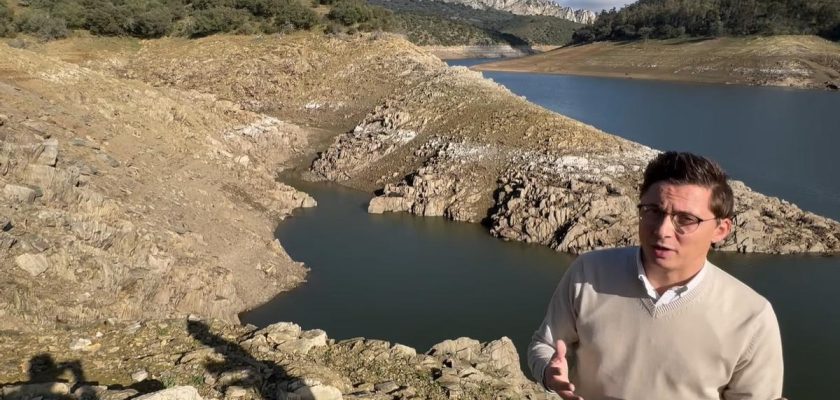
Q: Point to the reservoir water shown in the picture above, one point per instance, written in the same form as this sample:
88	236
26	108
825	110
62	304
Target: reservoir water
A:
418	281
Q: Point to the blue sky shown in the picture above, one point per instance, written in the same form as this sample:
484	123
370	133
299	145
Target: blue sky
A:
594	5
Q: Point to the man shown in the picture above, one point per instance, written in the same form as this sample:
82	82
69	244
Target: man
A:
660	321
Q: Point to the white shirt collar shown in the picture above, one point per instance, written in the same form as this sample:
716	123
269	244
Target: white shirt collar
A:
672	293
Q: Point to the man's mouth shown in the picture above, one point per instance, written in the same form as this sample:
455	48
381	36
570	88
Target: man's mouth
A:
660	251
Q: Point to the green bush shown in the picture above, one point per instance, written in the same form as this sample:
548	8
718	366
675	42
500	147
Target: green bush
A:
7	25
357	13
216	20
154	23
294	15
41	25
105	18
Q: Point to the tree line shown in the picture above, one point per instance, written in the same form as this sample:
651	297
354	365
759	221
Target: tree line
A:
52	19
664	19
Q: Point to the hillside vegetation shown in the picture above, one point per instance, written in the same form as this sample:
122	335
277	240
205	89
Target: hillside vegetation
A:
663	19
53	19
438	23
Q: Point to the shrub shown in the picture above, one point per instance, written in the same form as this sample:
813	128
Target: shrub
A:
104	18
294	15
216	20
583	35
356	12
154	23
42	25
7	26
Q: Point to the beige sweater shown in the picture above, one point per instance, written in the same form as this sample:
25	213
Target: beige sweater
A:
720	341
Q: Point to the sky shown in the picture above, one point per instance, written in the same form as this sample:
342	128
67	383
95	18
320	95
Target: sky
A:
594	5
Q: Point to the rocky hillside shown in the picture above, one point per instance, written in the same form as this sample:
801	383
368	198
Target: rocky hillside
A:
531	7
106	187
467	147
793	61
189	359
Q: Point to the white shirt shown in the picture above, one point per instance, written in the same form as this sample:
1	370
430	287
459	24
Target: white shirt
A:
671	294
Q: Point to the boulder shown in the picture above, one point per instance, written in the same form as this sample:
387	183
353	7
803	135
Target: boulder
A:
281	332
47	153
310	391
173	393
463	348
20	193
35	390
35	264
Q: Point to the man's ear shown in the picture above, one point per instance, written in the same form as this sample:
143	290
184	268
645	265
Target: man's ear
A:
722	230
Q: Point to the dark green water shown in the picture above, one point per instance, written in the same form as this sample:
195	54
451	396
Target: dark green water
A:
418	280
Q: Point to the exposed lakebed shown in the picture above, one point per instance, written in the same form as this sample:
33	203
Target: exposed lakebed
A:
418	281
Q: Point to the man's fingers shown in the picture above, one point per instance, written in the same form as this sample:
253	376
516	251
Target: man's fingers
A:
567	395
561	386
559	349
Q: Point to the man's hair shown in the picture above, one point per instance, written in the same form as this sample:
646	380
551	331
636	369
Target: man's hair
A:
680	168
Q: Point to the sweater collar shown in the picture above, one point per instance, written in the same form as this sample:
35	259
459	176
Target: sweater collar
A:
672	293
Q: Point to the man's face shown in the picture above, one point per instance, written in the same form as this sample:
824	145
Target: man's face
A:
663	246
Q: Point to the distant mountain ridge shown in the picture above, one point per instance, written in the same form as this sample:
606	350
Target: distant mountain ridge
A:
530	7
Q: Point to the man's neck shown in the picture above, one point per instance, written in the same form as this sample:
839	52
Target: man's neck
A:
663	279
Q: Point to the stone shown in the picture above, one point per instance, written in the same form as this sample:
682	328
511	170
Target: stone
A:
201	355
463	347
80	344
6	241
48	153
38	244
84	143
243	160
315	391
111	161
40	128
403	351
235	392
35	390
20	193
173	393
386	387
281	332
140	376
35	264
5	224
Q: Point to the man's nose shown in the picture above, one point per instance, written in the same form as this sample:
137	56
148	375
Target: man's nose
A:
665	227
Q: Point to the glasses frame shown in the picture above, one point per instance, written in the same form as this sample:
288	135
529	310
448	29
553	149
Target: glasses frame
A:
679	228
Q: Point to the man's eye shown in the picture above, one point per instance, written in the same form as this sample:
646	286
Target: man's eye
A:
685	219
651	211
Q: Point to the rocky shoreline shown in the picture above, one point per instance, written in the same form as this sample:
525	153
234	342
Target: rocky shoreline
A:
193	359
485	51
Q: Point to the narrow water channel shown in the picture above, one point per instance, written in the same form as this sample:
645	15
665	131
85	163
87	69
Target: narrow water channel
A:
418	281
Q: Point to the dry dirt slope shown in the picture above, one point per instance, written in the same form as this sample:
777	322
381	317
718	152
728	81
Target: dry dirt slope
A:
123	200
797	61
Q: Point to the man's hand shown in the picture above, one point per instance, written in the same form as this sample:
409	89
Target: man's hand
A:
556	375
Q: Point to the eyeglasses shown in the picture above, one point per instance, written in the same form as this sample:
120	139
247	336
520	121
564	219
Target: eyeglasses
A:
684	223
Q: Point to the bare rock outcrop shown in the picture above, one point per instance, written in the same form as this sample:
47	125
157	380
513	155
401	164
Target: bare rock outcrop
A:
531	7
214	360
